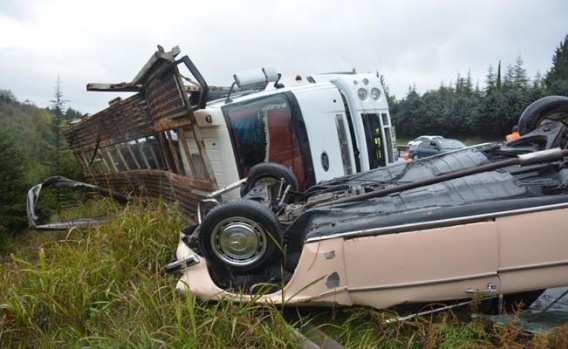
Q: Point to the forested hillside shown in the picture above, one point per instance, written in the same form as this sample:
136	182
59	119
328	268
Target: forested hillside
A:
465	109
28	150
30	128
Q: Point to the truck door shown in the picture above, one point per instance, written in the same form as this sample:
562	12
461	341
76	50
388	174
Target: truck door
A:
374	139
327	128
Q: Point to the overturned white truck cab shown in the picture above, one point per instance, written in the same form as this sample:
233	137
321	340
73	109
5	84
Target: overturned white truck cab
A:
182	140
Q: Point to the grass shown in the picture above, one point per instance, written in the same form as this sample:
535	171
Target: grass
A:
104	287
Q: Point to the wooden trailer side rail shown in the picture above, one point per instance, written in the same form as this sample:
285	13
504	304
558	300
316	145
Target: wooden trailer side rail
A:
148	144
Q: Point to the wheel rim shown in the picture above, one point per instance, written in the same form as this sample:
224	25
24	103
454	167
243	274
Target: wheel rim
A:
239	241
555	116
272	182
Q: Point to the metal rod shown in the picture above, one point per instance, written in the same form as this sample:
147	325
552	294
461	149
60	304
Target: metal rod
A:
227	188
427	312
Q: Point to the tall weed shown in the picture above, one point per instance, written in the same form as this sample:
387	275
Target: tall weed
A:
104	287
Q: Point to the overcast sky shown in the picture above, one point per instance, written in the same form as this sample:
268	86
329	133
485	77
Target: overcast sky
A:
409	42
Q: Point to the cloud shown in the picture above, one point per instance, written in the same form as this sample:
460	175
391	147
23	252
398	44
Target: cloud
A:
410	42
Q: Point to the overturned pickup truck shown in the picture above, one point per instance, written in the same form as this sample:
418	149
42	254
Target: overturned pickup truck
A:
487	220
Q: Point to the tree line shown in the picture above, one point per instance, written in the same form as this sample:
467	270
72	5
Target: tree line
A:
31	149
462	109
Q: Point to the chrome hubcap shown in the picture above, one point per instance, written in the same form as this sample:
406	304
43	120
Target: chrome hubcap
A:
239	241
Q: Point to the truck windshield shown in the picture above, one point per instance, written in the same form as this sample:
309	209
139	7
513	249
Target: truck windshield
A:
263	130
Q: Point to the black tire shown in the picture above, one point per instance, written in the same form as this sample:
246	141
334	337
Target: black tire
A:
415	157
550	108
241	235
272	173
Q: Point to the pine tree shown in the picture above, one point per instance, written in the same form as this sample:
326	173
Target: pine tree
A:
7	96
556	79
459	83
498	82
12	187
390	98
538	80
71	114
490	80
62	162
469	82
58	107
508	81
519	75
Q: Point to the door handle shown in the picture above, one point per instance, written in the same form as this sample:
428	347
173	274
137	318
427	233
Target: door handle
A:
491	288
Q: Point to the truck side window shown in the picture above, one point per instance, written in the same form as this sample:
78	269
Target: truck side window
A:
263	130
